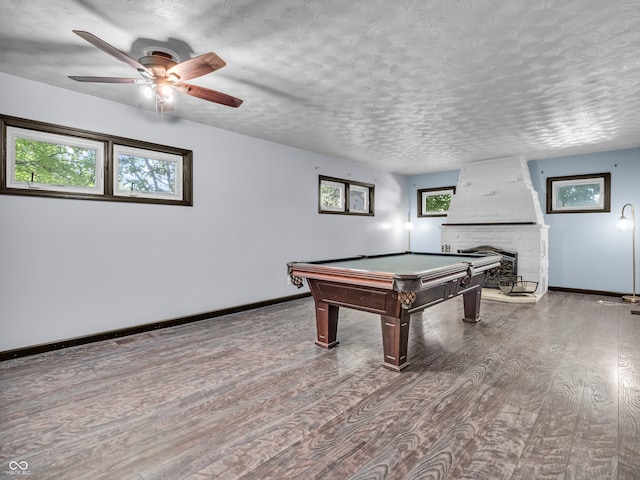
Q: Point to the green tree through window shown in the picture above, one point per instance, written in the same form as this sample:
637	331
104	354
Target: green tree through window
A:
54	164
42	159
579	195
330	197
437	203
146	175
586	193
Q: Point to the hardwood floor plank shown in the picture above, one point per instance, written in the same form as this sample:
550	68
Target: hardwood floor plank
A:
629	397
402	415
558	445
548	390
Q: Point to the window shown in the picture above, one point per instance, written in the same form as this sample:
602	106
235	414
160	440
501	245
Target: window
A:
332	196
54	161
434	202
358	199
334	193
144	173
579	194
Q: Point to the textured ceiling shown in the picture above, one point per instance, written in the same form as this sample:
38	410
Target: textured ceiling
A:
409	86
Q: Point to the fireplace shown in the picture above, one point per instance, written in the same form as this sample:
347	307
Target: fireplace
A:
508	265
496	208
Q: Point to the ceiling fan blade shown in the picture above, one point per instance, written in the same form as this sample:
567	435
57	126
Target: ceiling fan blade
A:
107	79
197	66
208	94
113	51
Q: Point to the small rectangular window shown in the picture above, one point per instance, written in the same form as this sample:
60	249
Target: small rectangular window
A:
145	173
41	160
46	160
332	196
579	193
358	199
435	202
345	196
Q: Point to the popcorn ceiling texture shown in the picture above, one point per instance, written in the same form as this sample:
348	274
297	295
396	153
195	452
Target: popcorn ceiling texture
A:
410	86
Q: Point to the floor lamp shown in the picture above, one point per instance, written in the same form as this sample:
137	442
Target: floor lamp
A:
624	225
408	226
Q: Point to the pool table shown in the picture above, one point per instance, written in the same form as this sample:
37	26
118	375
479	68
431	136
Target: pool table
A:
393	286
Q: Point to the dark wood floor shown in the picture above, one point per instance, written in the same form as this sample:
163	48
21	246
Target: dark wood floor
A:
544	391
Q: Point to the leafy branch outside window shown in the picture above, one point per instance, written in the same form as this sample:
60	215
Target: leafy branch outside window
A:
345	196
434	202
41	159
53	164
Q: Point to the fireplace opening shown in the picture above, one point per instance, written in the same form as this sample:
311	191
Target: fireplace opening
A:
508	264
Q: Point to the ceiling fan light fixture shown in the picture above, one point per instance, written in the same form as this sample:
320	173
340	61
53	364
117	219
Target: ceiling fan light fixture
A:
166	92
147	91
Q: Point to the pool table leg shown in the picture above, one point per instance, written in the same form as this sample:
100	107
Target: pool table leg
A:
326	325
395	340
471	303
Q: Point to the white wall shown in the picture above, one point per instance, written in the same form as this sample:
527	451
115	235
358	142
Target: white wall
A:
70	268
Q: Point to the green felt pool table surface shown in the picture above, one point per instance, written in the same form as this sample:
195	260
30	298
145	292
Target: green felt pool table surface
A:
401	264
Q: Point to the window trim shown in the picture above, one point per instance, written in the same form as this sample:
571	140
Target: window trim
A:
108	171
14	133
346	206
354	187
342	208
603	178
162	156
428	192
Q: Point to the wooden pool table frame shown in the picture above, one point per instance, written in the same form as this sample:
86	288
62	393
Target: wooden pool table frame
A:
393	296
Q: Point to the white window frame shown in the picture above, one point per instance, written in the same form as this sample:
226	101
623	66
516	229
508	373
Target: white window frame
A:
365	191
151	154
557	185
14	133
603	203
342	187
345	187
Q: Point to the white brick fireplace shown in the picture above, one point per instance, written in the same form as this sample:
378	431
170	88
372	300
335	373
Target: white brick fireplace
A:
496	205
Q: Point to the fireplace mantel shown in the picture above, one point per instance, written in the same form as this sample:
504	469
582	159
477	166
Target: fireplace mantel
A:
486	224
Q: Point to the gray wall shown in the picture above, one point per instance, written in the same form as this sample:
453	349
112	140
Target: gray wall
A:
70	268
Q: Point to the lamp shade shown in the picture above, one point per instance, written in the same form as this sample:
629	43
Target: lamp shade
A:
624	224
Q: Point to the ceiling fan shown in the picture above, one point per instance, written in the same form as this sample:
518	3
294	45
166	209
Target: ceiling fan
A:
162	74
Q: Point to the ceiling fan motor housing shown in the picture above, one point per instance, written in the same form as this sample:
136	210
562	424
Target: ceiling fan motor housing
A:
158	62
